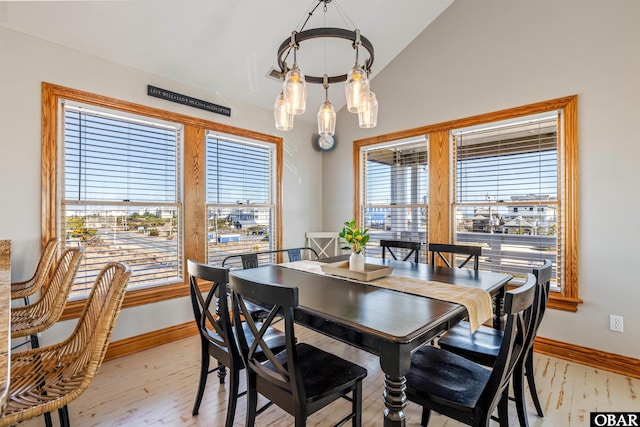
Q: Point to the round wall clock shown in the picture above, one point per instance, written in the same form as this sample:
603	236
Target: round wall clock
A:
326	143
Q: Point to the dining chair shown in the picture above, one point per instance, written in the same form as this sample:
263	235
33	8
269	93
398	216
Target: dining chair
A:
302	379
29	287
466	391
483	346
412	248
295	254
31	319
49	378
216	332
252	259
473	252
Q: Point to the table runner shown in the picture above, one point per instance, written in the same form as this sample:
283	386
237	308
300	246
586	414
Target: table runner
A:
477	301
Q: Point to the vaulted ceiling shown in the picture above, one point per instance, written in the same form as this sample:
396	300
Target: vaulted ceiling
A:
224	47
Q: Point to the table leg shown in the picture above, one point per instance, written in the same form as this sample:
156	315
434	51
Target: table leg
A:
395	401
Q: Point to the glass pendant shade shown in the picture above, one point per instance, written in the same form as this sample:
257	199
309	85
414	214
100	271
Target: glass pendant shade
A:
356	87
368	111
284	120
327	119
295	91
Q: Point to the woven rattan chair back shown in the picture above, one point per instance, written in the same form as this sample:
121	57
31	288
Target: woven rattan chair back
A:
49	378
44	313
34	284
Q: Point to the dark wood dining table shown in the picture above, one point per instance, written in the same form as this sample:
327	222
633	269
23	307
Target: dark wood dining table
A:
385	322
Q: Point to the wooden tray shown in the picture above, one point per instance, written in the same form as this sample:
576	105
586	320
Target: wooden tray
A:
371	271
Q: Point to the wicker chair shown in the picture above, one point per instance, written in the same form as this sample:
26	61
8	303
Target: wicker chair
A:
34	284
49	378
44	313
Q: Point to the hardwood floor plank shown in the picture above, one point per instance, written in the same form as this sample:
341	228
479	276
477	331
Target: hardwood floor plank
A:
157	387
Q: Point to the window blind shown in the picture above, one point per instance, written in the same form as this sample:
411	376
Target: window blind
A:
240	197
122	195
394	192
506	192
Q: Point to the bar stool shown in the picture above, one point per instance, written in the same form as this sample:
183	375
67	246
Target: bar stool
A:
29	287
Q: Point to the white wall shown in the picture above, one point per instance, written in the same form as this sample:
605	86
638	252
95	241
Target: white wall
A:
25	62
483	56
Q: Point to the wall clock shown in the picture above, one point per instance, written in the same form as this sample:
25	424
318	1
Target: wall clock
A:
326	143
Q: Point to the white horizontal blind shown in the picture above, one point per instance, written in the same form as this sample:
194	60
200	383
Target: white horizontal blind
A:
240	191
122	195
506	192
394	192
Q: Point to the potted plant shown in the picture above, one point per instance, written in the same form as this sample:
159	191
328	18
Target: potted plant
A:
355	239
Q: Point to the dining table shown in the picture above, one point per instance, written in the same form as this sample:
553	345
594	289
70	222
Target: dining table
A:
5	322
389	323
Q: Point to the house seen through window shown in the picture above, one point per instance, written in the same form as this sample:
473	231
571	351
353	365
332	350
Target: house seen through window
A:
394	192
506	192
240	187
121	198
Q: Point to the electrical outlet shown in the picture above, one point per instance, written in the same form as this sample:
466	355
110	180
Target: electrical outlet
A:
616	323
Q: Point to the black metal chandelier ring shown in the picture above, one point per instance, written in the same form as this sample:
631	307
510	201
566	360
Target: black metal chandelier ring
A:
315	33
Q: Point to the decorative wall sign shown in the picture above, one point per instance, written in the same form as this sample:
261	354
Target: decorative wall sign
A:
187	100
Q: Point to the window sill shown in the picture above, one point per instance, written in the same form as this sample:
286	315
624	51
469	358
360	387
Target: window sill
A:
559	302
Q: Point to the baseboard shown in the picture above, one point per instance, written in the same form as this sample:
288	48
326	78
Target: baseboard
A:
149	340
587	356
574	353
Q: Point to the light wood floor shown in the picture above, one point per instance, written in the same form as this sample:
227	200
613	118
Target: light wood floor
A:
158	386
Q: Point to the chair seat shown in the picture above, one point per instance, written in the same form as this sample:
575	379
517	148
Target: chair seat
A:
322	373
441	377
481	347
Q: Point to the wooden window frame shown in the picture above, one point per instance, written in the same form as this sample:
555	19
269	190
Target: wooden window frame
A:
440	199
194	201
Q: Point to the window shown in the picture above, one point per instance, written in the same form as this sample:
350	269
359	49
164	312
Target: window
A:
240	197
536	180
121	195
502	171
394	192
146	202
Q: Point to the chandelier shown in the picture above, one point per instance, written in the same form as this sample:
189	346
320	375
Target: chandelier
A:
293	97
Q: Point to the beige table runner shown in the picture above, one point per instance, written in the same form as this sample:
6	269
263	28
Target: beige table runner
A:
477	301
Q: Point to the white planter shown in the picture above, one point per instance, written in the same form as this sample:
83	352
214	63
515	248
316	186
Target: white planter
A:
356	262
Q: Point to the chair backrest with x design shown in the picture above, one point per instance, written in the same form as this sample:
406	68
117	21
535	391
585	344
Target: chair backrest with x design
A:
413	248
473	252
519	306
212	312
278	375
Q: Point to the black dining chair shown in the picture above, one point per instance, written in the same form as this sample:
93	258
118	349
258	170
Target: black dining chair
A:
252	259
472	252
466	391
295	254
412	248
216	334
300	380
483	346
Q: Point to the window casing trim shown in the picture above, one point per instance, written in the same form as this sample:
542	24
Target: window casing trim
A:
193	169
439	182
